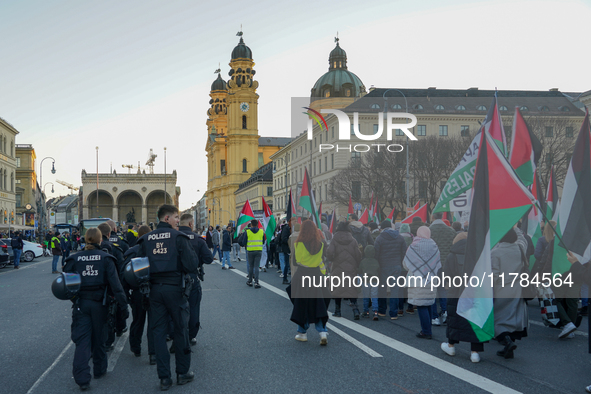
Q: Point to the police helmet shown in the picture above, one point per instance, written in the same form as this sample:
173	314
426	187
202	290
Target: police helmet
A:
66	286
137	271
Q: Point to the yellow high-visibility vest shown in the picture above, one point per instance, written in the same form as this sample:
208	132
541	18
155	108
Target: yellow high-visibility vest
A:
304	258
254	240
53	241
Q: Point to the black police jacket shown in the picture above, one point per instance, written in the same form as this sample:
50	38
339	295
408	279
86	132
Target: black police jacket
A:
199	245
97	270
170	254
115	251
118	240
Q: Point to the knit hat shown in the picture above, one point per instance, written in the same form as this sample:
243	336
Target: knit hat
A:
343	226
373	225
385	224
405	228
424	232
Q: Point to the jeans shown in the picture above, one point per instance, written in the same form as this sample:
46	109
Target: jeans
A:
425	316
226	258
235	252
17	256
216	248
56	258
318	325
284	261
442	303
254	258
370	293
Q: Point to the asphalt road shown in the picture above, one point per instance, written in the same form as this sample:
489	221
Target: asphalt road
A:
247	345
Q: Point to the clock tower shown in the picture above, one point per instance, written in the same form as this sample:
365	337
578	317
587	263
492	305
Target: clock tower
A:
243	133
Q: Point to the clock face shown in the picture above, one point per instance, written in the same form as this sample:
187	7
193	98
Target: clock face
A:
244	107
28	206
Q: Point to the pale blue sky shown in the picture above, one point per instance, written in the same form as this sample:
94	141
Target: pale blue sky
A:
133	75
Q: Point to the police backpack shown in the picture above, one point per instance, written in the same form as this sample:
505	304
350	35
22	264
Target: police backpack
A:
66	286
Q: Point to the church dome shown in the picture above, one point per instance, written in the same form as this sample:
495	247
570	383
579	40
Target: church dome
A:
338	81
219	84
241	51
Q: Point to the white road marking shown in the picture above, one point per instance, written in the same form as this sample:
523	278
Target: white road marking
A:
541	324
435	362
23	267
48	370
345	336
117	351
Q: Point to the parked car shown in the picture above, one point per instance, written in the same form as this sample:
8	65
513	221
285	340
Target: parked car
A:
30	250
4	256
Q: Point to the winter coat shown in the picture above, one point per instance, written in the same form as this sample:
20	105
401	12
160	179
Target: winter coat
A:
284	239
418	295
361	233
407	238
226	241
443	237
344	253
215	238
291	241
510	309
208	240
390	249
369	265
541	246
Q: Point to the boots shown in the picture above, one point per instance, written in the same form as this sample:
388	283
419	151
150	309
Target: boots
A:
507	351
337	311
355	312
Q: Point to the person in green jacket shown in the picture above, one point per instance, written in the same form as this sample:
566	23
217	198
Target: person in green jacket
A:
370	268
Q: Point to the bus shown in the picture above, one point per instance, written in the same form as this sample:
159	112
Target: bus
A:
85	224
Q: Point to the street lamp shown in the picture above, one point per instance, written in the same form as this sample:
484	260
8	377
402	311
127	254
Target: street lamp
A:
213	202
165	193
385	115
41	182
46	185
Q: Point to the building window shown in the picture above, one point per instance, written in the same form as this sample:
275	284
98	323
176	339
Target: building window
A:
564	109
19	198
503	108
544	108
320	139
374	106
358	128
320	166
332	161
422	130
375	128
12	181
418	107
356	159
301	174
439	107
356	190
320	193
422	189
223	167
524	108
314	168
244	122
399	132
327	92
261	159
569	131
481	108
443	130
332	132
305	148
460	107
549	132
301	150
325	163
465	131
18	162
326	191
314	144
269	190
244	169
396	106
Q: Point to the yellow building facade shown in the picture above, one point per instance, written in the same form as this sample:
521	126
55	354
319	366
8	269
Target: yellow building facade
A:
234	149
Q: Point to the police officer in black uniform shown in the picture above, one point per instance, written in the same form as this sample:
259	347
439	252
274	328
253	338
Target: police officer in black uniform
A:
171	258
140	306
205	257
89	315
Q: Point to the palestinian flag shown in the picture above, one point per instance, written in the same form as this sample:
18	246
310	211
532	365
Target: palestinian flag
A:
291	211
391	216
269	223
552	197
364	217
350	211
376	212
320	212
526	150
494	126
499	200
307	200
417	206
245	216
421	212
333	221
371	204
574	214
